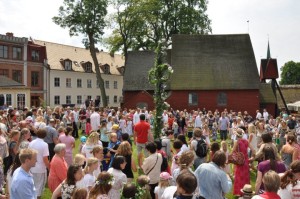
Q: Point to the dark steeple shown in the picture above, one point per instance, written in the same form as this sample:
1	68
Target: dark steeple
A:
268	52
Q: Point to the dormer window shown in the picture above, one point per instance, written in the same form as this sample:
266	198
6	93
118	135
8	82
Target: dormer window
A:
106	69
35	55
68	65
88	67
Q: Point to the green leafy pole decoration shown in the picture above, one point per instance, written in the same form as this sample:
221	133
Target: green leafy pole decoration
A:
159	76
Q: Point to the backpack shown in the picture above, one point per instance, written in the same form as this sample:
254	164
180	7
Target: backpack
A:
201	150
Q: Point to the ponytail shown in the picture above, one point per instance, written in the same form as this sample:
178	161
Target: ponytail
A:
287	178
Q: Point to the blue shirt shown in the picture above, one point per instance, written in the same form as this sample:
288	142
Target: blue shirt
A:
22	185
212	181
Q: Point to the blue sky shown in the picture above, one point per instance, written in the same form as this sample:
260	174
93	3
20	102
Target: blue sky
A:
278	20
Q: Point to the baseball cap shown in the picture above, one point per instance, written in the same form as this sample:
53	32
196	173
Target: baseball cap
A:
165	176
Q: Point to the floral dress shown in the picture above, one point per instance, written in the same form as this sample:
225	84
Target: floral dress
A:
67	190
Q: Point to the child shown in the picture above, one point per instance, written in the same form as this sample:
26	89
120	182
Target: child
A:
163	183
98	153
80	194
61	131
206	134
224	148
190	128
143	183
89	179
113	146
176	146
88	126
82	142
175	129
102	186
166	143
164	164
129	126
214	130
104	137
129	191
122	124
213	149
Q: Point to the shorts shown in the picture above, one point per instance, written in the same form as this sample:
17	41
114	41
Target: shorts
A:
141	147
39	182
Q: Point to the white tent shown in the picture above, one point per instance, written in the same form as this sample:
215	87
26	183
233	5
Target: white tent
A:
294	106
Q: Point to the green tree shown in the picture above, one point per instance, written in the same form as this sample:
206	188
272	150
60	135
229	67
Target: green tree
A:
144	24
85	17
290	73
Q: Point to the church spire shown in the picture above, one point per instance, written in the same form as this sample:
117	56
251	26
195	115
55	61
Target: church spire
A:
268	51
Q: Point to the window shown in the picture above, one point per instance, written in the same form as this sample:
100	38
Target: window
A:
222	99
107	84
68	82
3	51
68	65
193	99
68	99
115	99
56	82
34	78
106	69
79	83
79	99
89	97
88	67
57	100
8	100
35	55
4	72
21	101
98	84
17	53
17	75
107	99
115	85
89	83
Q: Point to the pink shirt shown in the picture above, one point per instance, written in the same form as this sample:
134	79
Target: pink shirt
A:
58	172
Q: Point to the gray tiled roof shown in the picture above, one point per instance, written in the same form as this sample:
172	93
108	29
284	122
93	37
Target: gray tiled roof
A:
7	82
266	94
211	62
137	69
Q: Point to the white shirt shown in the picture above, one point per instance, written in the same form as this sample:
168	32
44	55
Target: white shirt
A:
165	117
76	115
169	192
136	118
258	115
266	115
86	149
95	121
198	122
43	151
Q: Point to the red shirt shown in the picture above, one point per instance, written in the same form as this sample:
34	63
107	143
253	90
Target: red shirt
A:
141	130
270	195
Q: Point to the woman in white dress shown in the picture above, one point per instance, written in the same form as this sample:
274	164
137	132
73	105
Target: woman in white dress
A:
120	178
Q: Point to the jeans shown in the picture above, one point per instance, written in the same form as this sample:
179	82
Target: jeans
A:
223	134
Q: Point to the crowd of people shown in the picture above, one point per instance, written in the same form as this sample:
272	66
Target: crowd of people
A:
191	159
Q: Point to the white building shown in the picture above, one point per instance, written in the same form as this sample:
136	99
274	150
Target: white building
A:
72	76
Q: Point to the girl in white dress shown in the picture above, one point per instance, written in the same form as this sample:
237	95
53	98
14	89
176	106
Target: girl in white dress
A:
163	184
120	178
102	186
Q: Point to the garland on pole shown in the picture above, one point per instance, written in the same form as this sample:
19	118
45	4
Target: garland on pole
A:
159	76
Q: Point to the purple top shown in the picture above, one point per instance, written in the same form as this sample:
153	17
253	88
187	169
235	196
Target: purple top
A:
265	166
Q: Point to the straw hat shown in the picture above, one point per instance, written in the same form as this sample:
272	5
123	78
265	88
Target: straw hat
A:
247	189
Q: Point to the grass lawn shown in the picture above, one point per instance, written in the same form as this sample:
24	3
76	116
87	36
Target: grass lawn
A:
47	194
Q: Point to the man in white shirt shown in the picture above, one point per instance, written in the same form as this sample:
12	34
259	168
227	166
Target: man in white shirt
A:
136	116
198	122
165	116
95	120
258	115
265	115
39	171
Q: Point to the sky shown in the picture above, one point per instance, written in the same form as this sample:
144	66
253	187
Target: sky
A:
275	20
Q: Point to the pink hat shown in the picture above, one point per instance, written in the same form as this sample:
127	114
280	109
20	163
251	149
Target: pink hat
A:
165	176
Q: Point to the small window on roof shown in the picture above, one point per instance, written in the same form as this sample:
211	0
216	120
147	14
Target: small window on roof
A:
88	67
76	63
106	69
68	65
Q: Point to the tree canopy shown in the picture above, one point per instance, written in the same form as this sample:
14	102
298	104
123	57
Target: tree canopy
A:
143	24
85	17
290	73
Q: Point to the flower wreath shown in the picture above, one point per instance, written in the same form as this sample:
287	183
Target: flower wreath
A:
109	181
139	193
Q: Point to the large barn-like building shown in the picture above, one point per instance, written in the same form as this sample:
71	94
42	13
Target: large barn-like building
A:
211	71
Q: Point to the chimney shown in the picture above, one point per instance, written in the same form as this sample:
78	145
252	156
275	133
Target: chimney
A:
9	34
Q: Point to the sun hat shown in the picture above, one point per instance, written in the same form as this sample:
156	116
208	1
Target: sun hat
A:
165	176
115	126
82	139
247	189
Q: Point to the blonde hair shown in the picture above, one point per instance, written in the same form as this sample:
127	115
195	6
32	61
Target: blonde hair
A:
124	149
164	183
96	149
251	129
27	154
186	159
224	146
79	159
93	139
81	193
90	161
113	135
271	181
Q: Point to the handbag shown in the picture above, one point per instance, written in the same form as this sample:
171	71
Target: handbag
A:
236	157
